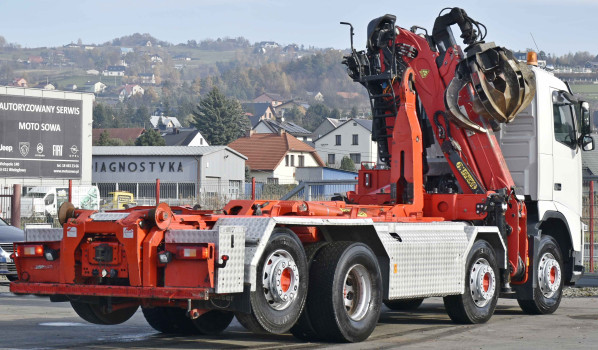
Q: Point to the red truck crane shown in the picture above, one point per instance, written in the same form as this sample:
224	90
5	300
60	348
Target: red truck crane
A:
466	203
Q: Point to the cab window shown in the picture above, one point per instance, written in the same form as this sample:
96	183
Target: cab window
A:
49	200
564	125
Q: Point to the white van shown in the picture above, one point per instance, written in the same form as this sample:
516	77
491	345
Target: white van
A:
41	201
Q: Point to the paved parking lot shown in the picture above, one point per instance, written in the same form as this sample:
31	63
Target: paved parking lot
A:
29	322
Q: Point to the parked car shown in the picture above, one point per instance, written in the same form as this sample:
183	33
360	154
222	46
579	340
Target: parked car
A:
8	235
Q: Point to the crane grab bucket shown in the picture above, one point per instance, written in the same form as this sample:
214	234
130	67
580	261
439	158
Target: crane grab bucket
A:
499	86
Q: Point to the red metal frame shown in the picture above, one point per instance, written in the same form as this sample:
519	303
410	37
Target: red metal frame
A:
109	291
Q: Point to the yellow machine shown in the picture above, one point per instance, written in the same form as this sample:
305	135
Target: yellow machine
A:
119	200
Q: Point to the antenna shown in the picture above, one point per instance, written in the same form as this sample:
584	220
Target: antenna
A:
537	48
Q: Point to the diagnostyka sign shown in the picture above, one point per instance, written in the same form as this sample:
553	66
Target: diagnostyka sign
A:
40	137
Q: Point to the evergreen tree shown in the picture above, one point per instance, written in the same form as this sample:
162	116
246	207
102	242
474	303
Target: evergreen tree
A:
336	114
99	116
347	164
220	119
150	138
106	140
293	115
315	115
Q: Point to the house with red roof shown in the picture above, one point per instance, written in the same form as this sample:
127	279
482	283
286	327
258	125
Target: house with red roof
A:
129	90
270	98
274	158
21	82
126	135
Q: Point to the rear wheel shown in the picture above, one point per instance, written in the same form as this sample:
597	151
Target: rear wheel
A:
478	303
549	278
167	320
213	322
404	304
175	321
94	313
304	329
281	285
345	294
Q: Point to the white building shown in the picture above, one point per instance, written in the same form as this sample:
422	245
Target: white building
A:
353	139
274	158
114	71
167	122
129	90
183	137
188	175
96	88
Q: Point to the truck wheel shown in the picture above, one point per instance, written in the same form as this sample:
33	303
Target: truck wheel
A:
304	329
481	294
94	313
345	295
281	285
213	322
170	320
547	296
162	320
404	304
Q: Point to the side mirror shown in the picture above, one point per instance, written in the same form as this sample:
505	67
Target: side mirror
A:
587	143
585	118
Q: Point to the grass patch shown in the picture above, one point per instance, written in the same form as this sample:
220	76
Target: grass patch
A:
585	88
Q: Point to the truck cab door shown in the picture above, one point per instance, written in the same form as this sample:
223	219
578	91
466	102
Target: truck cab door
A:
567	175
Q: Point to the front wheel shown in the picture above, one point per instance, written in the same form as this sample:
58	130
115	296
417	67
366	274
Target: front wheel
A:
478	302
549	277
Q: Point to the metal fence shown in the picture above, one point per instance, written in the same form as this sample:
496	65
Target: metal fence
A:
213	194
5	202
589	218
320	190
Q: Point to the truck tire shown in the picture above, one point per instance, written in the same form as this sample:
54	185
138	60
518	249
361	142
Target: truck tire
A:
94	313
281	285
160	319
172	320
404	304
478	302
345	295
213	322
304	329
549	278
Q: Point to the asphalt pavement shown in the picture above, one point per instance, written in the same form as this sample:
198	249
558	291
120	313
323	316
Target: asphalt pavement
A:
588	280
29	322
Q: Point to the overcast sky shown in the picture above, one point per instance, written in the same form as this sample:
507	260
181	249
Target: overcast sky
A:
559	26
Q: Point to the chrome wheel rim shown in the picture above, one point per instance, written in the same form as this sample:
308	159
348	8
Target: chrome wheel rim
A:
280	279
549	275
357	292
482	282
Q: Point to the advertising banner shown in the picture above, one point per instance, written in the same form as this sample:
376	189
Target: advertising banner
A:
40	137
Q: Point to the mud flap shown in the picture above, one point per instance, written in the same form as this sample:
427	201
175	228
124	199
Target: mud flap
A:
526	291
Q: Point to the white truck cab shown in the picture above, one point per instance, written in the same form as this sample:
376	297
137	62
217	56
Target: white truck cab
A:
42	201
542	147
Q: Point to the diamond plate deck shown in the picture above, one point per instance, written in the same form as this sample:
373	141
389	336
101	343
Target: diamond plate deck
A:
228	240
43	234
257	234
426	259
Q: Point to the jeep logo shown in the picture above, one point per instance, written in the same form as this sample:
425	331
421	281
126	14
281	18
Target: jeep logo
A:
5	148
